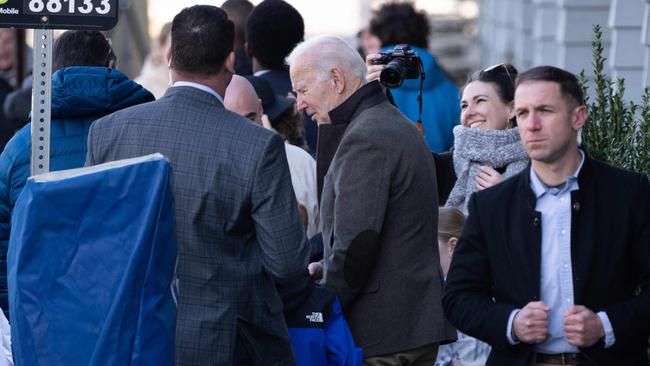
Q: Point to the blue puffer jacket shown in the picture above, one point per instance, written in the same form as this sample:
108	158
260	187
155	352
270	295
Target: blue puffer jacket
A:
80	95
319	334
440	102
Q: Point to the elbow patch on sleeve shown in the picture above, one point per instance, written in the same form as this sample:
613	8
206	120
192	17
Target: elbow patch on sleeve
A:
360	258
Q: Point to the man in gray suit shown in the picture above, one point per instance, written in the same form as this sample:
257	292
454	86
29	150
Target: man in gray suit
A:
236	217
378	208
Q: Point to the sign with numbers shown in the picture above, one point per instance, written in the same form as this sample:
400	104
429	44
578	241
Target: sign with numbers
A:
59	14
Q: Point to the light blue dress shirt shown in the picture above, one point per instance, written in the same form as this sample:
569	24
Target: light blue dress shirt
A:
556	277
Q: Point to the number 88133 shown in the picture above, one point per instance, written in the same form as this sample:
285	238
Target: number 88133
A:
70	7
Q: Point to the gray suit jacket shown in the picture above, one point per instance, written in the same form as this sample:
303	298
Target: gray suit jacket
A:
236	222
379	212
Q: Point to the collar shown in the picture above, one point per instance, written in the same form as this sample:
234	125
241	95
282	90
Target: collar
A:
539	187
367	96
260	72
203	87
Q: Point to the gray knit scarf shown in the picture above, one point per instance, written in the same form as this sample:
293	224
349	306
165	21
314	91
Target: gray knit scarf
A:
474	147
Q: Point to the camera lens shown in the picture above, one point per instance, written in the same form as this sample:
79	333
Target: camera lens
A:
394	73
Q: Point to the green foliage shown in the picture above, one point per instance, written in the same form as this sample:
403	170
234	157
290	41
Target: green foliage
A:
617	132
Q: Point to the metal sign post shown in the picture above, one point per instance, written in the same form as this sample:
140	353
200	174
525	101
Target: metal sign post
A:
41	101
43	16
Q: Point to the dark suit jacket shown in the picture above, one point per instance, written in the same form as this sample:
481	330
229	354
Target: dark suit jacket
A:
496	265
379	216
236	221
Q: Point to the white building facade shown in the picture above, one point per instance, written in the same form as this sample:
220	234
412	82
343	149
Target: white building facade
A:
529	33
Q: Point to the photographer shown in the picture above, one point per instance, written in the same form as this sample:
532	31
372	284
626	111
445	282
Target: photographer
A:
400	23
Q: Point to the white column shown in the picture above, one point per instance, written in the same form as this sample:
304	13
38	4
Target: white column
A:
523	44
575	32
489	8
504	26
627	54
544	32
482	27
645	39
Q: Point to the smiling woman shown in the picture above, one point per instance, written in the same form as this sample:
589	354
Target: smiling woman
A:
487	147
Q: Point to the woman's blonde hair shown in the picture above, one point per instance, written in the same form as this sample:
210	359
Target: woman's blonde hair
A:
450	223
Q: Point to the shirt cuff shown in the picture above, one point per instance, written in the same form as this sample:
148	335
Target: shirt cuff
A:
607	327
509	334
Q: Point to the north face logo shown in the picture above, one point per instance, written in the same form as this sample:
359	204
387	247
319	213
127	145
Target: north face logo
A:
315	317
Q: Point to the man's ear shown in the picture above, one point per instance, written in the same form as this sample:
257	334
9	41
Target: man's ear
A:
338	79
249	53
168	56
578	117
229	65
451	244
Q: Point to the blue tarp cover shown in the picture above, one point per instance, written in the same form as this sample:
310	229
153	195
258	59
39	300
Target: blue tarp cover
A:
91	261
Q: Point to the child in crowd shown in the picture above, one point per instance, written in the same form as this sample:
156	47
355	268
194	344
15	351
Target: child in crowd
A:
466	351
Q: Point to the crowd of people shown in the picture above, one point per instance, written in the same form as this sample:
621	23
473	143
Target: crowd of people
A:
309	198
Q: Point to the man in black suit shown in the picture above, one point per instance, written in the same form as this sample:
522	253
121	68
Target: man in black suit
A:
553	266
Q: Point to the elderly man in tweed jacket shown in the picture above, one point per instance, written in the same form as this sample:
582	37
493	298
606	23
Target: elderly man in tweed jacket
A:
236	216
378	208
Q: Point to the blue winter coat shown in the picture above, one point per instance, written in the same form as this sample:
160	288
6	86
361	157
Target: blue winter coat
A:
80	95
440	102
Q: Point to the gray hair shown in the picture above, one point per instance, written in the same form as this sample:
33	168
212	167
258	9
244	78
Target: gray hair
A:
326	53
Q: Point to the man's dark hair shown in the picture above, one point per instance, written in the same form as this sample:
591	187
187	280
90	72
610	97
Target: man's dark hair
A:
569	84
202	39
81	48
397	23
238	11
273	29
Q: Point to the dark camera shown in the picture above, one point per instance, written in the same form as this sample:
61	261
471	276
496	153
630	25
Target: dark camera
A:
401	63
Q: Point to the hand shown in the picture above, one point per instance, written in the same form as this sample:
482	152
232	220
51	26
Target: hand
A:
531	323
315	271
373	70
487	177
582	327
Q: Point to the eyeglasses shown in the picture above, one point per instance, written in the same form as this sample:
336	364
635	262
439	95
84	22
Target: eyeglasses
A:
496	67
